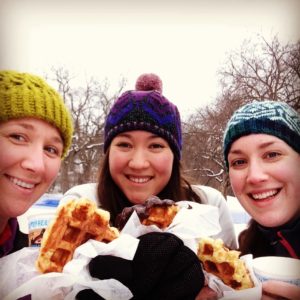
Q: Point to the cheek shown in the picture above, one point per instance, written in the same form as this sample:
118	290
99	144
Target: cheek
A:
290	175
116	163
290	170
8	157
3	163
52	170
163	164
236	181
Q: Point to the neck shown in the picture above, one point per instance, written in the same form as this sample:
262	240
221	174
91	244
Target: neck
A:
289	225
3	223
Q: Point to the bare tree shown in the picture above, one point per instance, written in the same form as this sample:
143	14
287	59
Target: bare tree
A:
261	70
89	106
293	62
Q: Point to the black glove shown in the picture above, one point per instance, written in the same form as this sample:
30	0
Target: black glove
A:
88	294
162	268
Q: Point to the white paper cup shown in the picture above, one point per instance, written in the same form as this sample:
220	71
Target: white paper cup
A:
37	224
277	268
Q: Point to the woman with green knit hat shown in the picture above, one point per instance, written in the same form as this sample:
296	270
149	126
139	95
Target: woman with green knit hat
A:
262	154
35	135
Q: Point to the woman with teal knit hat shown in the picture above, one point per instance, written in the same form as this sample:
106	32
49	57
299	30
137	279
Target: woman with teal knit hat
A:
262	155
35	135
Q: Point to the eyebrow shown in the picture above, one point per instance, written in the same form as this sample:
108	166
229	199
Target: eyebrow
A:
31	127
261	146
25	125
128	135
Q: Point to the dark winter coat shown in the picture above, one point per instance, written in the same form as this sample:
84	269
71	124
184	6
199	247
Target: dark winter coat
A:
17	241
277	241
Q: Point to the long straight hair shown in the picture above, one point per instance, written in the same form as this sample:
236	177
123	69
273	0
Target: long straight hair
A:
112	199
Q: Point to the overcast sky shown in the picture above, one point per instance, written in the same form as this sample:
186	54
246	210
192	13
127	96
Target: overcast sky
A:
185	44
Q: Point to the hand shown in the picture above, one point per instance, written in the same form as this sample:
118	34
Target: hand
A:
280	290
162	268
207	294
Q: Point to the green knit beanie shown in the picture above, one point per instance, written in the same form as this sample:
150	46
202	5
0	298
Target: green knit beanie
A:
269	117
25	95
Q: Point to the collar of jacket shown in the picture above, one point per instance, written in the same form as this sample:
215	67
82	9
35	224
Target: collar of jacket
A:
290	232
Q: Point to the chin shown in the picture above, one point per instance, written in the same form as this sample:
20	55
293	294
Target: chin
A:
18	213
273	222
136	200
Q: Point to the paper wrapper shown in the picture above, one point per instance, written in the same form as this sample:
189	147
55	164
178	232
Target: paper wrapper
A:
190	225
191	222
19	276
225	292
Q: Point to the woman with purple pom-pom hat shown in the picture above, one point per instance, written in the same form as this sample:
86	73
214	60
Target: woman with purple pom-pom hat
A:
142	145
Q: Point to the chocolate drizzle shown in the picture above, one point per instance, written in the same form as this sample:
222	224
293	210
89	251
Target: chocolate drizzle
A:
142	210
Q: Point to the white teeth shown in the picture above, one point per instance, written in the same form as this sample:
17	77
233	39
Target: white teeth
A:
264	195
139	179
22	183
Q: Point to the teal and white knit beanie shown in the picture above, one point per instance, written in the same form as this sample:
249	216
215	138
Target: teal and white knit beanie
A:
269	117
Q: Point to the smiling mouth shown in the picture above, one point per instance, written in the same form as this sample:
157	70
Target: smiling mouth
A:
265	195
139	179
21	183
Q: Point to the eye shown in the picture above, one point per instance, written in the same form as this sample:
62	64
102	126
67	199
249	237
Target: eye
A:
124	145
53	151
17	137
272	154
238	162
157	146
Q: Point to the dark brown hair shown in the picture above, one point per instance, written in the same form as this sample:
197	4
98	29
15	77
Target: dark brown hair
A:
112	199
251	240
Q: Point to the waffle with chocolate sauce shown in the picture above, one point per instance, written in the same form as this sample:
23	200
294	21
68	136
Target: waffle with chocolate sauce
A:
153	212
224	263
76	222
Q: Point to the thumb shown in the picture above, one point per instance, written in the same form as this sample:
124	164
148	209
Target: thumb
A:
88	294
282	289
108	266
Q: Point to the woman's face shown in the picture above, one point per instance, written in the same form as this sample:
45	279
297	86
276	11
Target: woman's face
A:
30	158
140	163
265	176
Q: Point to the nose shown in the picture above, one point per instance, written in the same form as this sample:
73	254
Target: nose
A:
256	172
138	160
34	160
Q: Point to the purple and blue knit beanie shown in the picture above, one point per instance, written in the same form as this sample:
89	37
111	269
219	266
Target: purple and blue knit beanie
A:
145	109
270	117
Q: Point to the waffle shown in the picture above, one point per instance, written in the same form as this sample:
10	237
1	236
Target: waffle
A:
153	212
76	222
224	263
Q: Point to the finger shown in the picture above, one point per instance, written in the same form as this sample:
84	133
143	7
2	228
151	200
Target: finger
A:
88	294
282	289
108	266
207	294
268	296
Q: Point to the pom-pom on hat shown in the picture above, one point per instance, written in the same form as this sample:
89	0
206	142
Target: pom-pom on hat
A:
25	95
148	82
269	117
145	109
